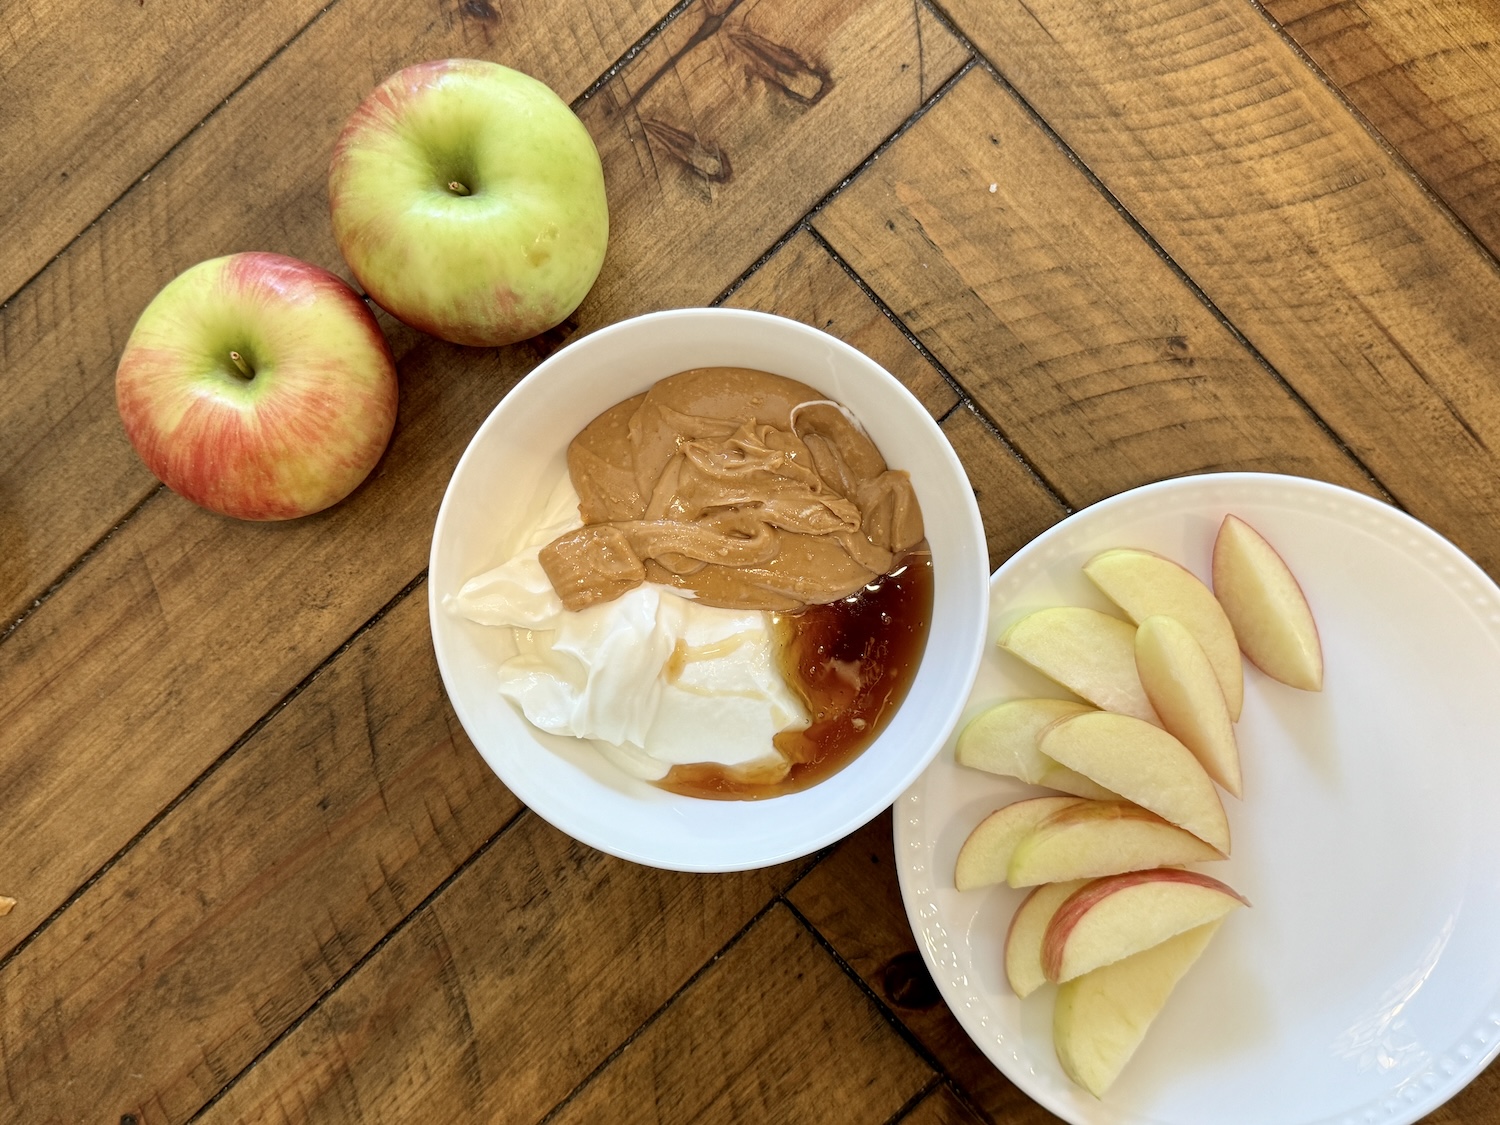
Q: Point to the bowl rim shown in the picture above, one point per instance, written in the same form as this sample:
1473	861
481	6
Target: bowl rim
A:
966	649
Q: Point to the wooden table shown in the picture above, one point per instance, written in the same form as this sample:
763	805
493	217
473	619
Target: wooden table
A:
259	872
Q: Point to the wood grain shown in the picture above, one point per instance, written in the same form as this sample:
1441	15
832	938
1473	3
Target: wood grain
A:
941	1107
853	900
508	990
802	280
252	178
686	126
1096	361
1293	219
803	1044
254	895
1426	74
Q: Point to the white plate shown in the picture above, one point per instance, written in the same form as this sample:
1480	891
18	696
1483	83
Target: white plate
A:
1364	984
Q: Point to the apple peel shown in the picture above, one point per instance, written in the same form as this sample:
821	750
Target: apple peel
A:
1096	838
984	857
1267	607
1028	926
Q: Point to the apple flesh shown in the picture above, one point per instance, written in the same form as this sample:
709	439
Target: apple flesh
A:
1095	838
1108	919
984	857
1270	614
1180	682
1101	1017
257	386
1144	584
1002	740
1144	764
1090	653
1023	941
469	202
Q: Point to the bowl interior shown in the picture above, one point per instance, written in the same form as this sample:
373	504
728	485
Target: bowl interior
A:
499	486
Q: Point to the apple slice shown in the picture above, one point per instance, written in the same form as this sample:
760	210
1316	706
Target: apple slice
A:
1144	584
1108	919
1094	838
1090	653
1144	764
1023	941
1180	682
1101	1017
1270	615
984	858
1003	740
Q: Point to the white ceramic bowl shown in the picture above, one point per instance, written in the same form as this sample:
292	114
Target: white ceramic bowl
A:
519	452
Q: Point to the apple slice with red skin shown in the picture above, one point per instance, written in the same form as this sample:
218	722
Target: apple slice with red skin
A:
1101	1017
1023	941
1002	740
1145	584
1108	919
1144	764
1182	686
1090	653
1266	605
1095	838
984	857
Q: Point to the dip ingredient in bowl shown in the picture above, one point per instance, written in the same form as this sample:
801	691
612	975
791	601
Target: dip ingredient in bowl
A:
746	601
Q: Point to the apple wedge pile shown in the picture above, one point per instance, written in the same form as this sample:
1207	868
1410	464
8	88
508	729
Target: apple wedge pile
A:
1114	917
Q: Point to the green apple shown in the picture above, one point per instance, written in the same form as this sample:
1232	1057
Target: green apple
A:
258	386
469	202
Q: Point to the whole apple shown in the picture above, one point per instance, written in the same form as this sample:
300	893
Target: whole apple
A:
469	202
258	386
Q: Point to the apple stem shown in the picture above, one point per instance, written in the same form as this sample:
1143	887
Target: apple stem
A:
457	188
240	365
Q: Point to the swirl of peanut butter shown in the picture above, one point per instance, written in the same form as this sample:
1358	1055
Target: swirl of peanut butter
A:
744	489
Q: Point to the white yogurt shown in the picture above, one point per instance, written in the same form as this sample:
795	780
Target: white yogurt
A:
652	678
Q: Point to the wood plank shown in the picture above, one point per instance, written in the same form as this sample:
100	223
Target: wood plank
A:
1425	73
852	899
504	993
254	896
1096	361
253	178
941	1107
804	1044
1294	220
686	127
802	280
181	598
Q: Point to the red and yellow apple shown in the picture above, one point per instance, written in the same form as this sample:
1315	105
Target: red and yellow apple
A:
1028	926
1144	764
1266	605
257	386
1090	653
1144	584
1109	919
1002	740
1094	838
984	856
469	202
1101	1017
1181	684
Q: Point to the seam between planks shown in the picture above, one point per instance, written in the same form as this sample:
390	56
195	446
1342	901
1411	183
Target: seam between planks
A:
1145	235
213	767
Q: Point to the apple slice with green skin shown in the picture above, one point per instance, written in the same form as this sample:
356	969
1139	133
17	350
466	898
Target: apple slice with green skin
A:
1101	1017
1095	838
1145	584
984	858
1144	764
1108	919
1023	941
1002	740
1182	686
1266	605
1090	653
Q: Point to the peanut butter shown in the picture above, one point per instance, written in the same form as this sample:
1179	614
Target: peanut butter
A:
747	490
